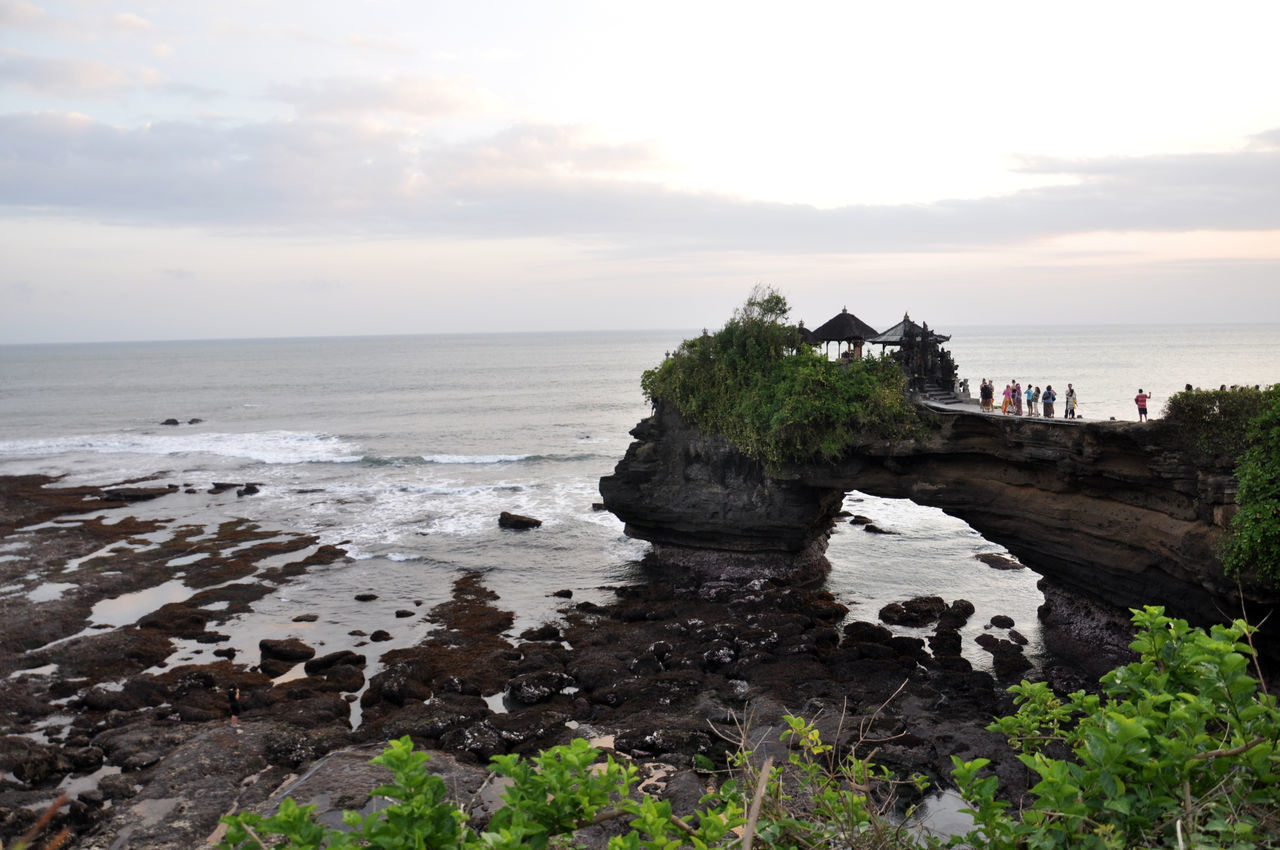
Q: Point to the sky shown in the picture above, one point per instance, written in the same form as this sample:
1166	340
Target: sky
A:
185	170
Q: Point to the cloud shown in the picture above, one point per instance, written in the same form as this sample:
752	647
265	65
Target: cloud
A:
19	13
313	175
61	77
129	22
430	97
379	45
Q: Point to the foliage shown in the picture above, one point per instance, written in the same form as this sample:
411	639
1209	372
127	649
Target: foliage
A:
777	399
1217	422
553	794
1254	541
1181	749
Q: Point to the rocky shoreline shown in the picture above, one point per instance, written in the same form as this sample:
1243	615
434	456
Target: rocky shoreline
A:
677	667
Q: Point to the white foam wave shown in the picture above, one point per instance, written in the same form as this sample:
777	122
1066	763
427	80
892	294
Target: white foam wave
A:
273	447
462	459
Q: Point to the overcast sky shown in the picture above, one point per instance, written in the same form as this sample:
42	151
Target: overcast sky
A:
174	170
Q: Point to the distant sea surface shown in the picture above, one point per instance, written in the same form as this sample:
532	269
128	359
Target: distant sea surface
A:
403	450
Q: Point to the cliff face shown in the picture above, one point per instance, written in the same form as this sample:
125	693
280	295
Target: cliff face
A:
705	506
1118	511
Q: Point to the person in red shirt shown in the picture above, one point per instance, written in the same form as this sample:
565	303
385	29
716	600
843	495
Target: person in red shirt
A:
1141	400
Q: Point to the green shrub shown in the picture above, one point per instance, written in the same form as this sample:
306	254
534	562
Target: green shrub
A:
1182	749
776	398
1216	422
1253	543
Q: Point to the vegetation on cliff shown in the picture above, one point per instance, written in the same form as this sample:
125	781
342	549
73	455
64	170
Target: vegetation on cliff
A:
1254	542
1217	422
777	399
1181	749
1241	425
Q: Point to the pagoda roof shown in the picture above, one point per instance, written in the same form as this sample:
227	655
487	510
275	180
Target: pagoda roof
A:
843	327
898	334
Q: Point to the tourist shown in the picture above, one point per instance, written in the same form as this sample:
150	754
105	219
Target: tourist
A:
1017	398
1071	402
233	697
1031	400
1049	398
1141	400
986	394
1008	396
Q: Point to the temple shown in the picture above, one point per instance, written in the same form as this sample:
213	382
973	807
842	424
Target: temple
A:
929	368
927	365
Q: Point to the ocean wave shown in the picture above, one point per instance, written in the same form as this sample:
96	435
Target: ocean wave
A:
490	459
471	459
271	447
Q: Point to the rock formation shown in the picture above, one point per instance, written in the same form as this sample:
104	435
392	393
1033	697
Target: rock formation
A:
1122	512
705	506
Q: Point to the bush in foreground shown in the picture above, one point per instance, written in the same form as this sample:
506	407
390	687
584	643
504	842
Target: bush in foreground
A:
1181	749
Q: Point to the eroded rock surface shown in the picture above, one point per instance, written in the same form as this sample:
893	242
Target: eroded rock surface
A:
1125	513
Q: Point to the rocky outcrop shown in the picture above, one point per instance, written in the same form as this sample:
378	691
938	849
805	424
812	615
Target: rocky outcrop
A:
1123	512
707	507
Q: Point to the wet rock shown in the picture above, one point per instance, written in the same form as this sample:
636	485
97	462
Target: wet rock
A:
344	656
862	632
399	684
170	421
380	635
225	652
117	786
546	631
288	649
306	618
107	699
859	519
652	743
563	594
956	615
480	739
292	747
175	620
31	762
247	490
914	612
221	487
945	642
365	597
1007	659
430	720
1001	621
517	521
212	637
402	613
274	667
872	528
998	562
344	677
534	688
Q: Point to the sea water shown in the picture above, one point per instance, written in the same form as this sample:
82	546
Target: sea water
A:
404	450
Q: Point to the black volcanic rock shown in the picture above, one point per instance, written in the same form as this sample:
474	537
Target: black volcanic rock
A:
507	519
707	507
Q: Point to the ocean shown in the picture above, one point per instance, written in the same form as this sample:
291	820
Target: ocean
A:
404	450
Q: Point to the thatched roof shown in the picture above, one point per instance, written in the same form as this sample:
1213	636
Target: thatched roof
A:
898	334
843	327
